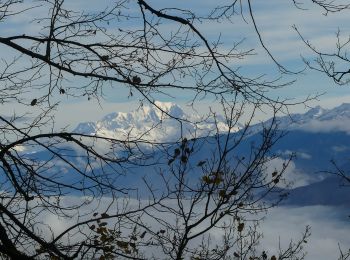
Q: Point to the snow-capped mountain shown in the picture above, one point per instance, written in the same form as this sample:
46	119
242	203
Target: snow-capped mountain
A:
318	119
315	137
154	123
164	122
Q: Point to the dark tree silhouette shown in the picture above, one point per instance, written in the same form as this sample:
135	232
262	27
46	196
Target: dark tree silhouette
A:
334	64
83	179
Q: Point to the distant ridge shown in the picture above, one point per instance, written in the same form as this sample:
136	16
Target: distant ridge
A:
316	119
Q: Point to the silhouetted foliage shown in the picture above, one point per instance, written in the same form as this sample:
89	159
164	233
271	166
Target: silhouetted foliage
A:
80	179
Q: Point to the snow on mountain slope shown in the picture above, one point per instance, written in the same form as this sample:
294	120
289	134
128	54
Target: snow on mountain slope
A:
152	124
317	120
314	148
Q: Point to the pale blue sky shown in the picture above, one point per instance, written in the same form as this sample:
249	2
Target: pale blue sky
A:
274	18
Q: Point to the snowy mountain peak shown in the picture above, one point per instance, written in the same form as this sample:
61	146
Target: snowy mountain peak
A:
170	108
315	112
159	122
318	119
343	106
342	111
156	122
339	112
86	128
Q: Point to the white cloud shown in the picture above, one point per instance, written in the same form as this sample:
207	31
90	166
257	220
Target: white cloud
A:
298	154
318	126
340	148
329	227
304	155
292	174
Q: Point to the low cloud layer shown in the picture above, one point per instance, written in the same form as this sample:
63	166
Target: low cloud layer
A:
330	229
316	126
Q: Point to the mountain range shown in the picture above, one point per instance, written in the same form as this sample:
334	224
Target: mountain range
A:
314	138
154	124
